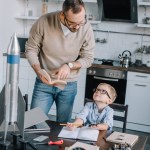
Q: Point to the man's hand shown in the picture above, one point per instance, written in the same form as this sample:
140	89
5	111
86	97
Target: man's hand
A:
44	76
63	72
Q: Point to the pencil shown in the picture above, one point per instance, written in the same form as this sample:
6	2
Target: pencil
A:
75	124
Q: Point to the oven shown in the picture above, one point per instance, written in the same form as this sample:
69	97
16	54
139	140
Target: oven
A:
116	78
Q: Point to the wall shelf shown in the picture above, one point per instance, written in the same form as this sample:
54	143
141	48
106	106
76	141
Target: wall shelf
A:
27	17
35	18
144	3
89	1
142	25
94	21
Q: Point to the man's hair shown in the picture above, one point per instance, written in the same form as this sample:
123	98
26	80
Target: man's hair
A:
112	90
74	5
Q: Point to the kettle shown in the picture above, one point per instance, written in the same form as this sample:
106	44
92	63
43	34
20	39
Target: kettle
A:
125	58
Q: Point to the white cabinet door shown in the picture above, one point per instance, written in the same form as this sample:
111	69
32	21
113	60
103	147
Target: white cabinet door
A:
138	99
1	72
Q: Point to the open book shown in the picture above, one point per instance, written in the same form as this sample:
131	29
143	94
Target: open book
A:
53	82
122	138
83	133
82	145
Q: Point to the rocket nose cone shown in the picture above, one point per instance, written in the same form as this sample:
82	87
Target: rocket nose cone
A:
13	47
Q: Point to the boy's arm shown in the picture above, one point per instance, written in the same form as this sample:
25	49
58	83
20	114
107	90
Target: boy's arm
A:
101	126
107	122
81	117
77	123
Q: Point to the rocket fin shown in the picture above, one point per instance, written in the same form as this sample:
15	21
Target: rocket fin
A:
2	113
2	102
21	113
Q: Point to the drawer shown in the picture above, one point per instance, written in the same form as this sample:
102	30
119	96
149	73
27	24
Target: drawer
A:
136	76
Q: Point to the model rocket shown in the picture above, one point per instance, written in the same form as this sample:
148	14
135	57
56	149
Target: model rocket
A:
12	105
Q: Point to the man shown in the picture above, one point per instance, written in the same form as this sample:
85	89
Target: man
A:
60	43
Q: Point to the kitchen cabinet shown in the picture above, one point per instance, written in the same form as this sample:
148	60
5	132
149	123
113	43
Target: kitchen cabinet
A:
1	70
146	6
138	99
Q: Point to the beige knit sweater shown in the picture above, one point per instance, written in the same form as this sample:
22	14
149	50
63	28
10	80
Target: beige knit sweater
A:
48	46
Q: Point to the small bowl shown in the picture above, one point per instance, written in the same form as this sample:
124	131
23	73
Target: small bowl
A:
148	64
147	20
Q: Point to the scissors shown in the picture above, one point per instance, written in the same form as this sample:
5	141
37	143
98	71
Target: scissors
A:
60	142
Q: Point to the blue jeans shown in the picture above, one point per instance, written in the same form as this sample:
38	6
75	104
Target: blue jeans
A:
44	96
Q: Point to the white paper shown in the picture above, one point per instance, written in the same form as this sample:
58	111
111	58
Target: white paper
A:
83	145
41	138
67	133
84	133
87	133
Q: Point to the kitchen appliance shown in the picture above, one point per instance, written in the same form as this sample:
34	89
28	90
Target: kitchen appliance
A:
107	62
125	58
22	41
96	75
147	20
118	10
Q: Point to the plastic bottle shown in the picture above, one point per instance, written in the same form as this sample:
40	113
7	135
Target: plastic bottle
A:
44	6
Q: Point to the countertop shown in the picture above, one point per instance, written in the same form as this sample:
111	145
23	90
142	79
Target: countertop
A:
141	69
22	55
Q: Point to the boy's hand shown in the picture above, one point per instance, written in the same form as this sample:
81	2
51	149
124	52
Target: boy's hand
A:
71	126
93	125
100	126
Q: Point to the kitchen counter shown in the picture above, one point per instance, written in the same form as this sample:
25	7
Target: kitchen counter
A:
142	69
22	55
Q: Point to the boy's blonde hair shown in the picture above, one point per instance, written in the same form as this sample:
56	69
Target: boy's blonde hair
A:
112	90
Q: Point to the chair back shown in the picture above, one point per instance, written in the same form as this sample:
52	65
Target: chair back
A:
123	118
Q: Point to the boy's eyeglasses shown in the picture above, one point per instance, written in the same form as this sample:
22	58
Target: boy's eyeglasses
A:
73	24
102	91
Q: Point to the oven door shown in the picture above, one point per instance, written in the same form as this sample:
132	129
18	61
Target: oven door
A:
93	81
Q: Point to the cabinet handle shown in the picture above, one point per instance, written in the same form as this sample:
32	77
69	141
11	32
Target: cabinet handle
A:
142	76
106	79
140	85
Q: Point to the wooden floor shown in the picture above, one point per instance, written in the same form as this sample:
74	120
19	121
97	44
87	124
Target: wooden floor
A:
147	146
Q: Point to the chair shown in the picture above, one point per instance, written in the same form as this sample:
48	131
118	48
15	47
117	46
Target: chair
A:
122	109
26	101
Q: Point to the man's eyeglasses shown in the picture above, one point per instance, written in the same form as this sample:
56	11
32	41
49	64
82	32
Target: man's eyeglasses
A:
102	91
73	24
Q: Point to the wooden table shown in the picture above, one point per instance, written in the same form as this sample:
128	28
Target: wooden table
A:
53	136
56	128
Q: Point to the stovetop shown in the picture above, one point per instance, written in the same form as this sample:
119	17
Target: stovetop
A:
108	62
117	66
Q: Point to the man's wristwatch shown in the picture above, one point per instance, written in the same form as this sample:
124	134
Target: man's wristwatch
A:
70	65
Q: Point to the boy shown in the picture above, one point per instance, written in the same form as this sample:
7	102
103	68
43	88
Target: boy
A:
97	114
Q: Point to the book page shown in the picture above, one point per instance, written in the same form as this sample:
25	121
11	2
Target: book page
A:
119	137
67	133
87	133
52	82
58	82
83	145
